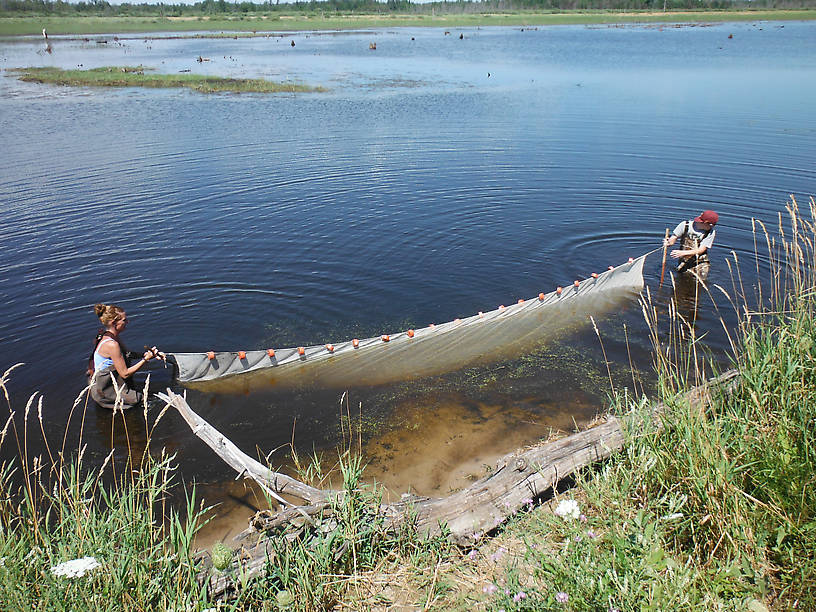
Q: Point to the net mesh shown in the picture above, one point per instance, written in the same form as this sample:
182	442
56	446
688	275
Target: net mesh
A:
500	334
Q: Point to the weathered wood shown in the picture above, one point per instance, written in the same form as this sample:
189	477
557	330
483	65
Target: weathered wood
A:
524	475
517	479
242	463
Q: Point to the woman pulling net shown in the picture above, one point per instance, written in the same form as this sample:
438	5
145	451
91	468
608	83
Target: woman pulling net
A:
110	373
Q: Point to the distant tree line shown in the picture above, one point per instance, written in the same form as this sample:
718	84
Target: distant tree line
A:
223	7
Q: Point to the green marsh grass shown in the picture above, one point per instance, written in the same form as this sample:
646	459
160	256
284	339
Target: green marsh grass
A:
141	76
54	509
716	510
322	568
283	21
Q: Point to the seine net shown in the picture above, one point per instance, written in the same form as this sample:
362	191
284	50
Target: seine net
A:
500	334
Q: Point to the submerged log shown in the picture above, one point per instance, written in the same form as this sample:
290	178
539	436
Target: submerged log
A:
518	478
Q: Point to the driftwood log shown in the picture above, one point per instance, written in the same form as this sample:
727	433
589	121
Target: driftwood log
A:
467	514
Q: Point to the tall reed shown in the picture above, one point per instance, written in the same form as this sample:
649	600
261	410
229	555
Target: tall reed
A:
139	553
715	510
745	465
54	509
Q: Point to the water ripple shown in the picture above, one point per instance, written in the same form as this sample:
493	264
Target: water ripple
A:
415	192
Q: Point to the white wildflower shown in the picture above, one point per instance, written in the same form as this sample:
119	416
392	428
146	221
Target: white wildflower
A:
568	509
75	568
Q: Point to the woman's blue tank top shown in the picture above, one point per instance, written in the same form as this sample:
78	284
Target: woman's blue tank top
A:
100	362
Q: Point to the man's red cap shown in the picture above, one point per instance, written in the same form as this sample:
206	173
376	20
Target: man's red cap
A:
708	216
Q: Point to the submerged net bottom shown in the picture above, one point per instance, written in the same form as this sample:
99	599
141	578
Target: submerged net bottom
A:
501	334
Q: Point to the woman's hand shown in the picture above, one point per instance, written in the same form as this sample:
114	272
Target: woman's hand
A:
678	253
153	352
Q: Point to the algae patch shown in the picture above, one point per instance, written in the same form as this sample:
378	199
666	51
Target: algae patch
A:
142	76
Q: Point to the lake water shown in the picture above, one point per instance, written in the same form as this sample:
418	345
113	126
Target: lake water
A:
438	176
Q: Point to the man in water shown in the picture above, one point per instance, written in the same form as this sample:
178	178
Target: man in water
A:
696	238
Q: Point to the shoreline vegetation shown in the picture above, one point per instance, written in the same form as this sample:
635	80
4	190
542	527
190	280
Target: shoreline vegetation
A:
141	76
283	21
713	508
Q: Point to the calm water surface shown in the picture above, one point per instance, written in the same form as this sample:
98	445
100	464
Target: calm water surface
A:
437	177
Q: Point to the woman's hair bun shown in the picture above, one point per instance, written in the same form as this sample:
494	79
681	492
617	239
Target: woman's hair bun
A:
107	313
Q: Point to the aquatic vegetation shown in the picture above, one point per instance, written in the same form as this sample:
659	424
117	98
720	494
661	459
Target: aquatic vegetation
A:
141	76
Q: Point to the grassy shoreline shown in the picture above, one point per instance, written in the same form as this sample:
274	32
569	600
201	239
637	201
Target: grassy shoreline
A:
294	22
715	511
141	76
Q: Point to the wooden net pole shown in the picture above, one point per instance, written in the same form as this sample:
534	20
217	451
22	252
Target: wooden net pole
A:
663	266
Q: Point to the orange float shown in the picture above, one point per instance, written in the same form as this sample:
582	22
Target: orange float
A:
270	352
210	355
410	333
301	351
355	343
330	348
241	354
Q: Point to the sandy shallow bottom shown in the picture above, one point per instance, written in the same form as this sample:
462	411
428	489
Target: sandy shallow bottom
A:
429	451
